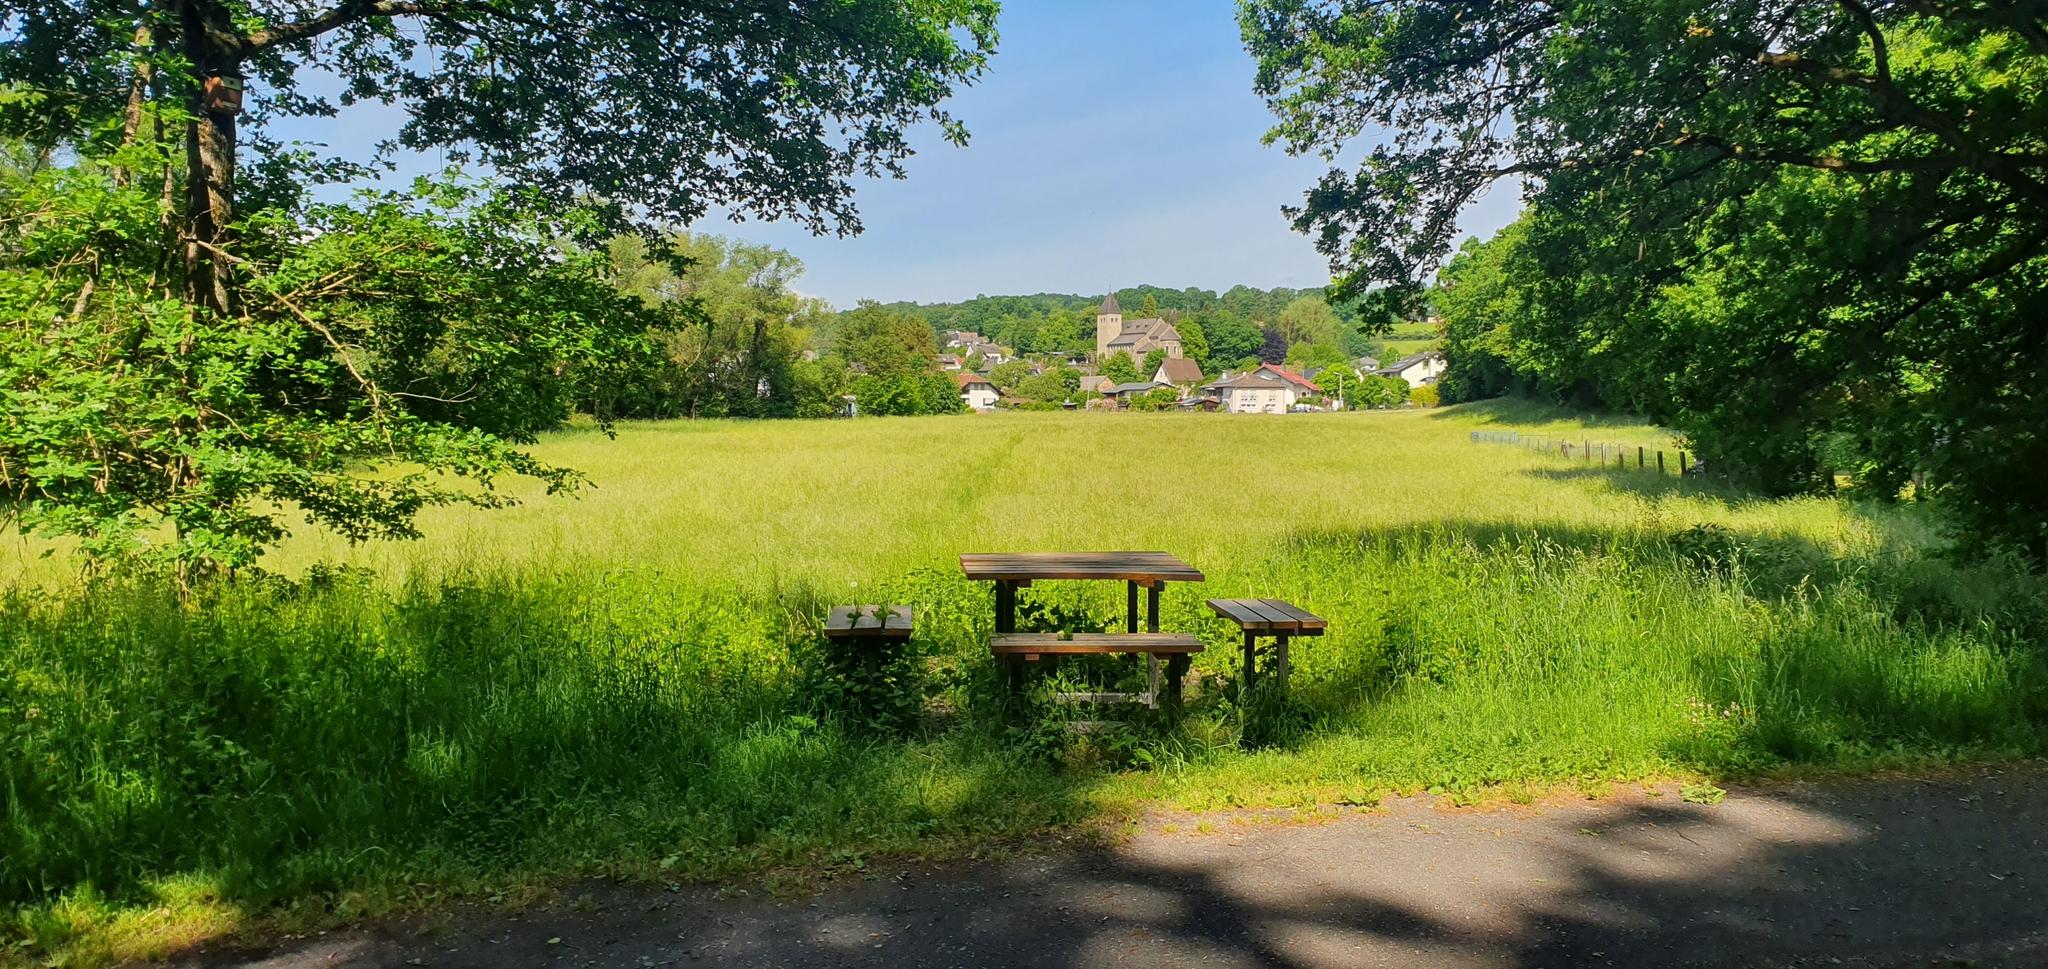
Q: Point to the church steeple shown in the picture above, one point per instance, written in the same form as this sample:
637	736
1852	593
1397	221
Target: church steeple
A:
1109	323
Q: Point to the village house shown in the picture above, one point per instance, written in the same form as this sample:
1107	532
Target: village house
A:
1418	369
1124	392
1181	372
1267	390
976	392
1114	334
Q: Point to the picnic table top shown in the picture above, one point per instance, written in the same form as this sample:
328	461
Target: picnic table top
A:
1134	566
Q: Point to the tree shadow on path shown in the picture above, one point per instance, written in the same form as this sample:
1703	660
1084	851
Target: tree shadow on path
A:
1879	871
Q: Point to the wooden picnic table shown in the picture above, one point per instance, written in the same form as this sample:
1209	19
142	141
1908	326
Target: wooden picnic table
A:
1011	571
1150	571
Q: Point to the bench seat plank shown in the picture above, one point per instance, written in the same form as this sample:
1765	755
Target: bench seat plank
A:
869	622
1307	623
1050	644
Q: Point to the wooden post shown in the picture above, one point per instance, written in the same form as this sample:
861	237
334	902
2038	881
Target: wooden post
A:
1681	464
1131	607
1639	456
1152	607
1588	445
1251	659
1280	658
1176	671
1660	461
1006	608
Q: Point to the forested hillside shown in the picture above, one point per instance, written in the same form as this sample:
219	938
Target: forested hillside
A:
1228	326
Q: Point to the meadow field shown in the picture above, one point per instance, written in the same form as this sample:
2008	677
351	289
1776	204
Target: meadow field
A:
628	682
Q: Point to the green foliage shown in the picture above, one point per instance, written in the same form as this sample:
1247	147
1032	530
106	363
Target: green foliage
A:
1423	396
427	335
1232	337
1158	398
1194	341
1151	365
887	395
1380	392
1007	376
549	96
1797	234
735	349
1118	367
868	686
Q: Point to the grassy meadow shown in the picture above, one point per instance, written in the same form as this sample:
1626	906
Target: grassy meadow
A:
627	682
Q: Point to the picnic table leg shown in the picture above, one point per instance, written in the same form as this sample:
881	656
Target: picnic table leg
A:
1006	608
1280	659
1176	671
1152	607
1251	658
1130	607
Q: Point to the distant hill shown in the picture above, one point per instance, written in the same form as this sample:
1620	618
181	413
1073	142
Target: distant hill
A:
984	313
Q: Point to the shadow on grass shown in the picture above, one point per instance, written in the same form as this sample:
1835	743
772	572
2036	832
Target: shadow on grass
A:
1509	412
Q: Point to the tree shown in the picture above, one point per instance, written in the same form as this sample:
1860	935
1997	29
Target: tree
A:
1153	358
1231	336
1307	319
430	338
1380	392
284	348
1272	346
1772	225
1119	367
1149	308
886	343
1194	343
550	96
1339	382
743	331
1007	376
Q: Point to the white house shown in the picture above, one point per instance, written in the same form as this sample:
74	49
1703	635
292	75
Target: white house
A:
1267	390
975	391
1418	369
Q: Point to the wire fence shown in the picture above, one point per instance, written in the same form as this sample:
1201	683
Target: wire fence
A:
1599	453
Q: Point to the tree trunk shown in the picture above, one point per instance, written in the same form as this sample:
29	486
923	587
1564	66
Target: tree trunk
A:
138	94
214	49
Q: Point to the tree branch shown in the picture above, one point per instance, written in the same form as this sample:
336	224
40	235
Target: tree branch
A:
350	11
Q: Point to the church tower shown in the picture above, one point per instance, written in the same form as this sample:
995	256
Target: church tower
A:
1109	323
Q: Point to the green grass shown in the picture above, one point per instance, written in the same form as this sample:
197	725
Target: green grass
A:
616	684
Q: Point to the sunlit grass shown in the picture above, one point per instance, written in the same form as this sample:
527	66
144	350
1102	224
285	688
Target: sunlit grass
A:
615	683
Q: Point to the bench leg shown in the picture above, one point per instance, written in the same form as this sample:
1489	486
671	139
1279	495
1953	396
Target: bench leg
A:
1152	607
1152	680
1130	607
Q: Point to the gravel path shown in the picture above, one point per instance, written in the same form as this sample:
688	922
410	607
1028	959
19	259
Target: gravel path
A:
1890	871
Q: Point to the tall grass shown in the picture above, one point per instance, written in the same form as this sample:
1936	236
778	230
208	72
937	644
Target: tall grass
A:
618	683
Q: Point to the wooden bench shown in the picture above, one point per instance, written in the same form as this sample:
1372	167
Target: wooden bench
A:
1273	618
869	622
1018	648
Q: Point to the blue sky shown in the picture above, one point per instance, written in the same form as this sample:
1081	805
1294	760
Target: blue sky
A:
1114	143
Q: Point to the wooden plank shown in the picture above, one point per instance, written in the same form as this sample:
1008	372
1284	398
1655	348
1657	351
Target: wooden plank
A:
869	622
1051	644
1309	623
1253	615
1129	566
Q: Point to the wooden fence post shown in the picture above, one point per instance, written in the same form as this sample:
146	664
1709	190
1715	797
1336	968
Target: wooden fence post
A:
1639	456
1660	461
1681	464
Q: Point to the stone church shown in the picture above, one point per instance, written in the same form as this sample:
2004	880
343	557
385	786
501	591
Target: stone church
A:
1114	334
